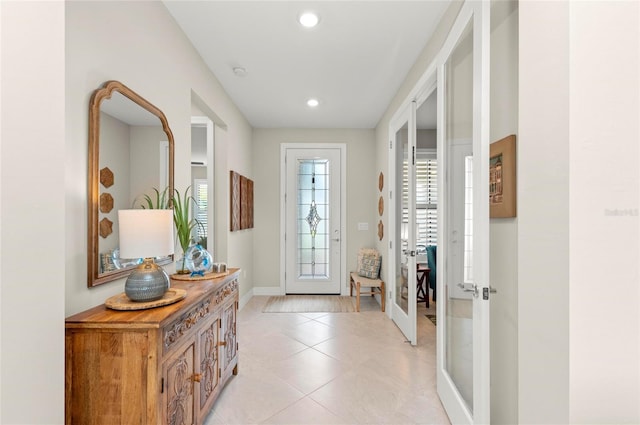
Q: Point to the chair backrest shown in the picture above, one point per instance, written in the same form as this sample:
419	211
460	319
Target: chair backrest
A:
431	260
369	261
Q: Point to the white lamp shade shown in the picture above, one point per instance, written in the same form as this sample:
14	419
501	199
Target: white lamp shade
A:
145	233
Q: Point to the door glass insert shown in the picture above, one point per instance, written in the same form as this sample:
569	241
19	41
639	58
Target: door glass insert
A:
402	259
313	219
458	356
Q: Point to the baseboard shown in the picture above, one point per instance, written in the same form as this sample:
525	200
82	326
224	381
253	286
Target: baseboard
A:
267	290
259	291
245	299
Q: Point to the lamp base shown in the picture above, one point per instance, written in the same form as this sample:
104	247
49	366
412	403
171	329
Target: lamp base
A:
147	282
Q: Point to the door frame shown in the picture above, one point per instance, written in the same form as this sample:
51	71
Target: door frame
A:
342	147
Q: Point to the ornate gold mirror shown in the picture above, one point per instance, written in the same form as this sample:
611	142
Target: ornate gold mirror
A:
131	152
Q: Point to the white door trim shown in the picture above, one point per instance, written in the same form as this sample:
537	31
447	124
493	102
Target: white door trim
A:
343	208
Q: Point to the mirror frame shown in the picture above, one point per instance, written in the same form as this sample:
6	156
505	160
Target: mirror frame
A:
94	278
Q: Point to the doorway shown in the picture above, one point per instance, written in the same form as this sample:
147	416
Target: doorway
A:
312	217
202	180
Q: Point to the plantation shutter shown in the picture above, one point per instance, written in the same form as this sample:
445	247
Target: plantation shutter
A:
426	199
200	196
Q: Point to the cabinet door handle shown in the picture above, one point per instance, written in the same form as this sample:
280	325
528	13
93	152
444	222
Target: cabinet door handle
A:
197	377
222	343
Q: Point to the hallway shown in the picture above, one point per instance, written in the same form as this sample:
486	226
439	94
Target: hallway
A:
330	368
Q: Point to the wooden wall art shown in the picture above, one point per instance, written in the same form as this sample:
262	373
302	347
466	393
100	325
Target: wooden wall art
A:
241	202
106	203
246	203
502	178
381	205
234	179
106	177
380	230
380	181
106	227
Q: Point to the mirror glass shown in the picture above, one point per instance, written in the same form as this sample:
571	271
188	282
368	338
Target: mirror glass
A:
202	172
130	155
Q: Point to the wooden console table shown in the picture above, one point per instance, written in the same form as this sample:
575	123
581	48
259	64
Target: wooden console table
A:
165	365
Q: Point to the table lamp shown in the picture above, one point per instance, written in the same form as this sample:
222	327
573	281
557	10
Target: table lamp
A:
146	234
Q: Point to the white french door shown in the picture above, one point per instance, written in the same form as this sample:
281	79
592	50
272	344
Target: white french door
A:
403	268
312	220
463	269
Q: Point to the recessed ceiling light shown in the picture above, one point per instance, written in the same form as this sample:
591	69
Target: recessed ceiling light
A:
312	103
308	19
239	71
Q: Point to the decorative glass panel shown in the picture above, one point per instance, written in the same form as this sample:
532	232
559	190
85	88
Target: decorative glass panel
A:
313	219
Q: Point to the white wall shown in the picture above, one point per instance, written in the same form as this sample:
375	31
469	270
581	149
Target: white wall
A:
362	193
504	231
32	222
426	139
114	154
543	213
604	125
147	52
578	318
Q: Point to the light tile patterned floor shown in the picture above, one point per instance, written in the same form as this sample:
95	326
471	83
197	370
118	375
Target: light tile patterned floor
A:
330	368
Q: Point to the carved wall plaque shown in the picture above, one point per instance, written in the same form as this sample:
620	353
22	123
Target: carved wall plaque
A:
380	230
106	203
106	177
234	179
241	202
106	227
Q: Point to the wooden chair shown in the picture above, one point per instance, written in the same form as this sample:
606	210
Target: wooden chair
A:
376	286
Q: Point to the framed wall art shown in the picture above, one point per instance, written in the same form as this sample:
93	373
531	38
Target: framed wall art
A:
502	178
241	193
234	189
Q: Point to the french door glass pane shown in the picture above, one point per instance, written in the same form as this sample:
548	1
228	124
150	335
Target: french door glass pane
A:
402	276
458	139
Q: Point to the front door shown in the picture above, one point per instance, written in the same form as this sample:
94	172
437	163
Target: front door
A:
312	219
463	287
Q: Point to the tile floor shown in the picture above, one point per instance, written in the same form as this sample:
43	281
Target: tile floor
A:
330	368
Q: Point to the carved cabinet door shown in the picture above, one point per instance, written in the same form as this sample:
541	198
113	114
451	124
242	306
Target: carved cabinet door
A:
229	340
178	387
209	364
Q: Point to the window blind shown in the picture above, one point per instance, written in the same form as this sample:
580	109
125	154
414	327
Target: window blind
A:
426	199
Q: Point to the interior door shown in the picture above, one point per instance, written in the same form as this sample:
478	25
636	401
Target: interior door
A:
404	287
463	307
313	220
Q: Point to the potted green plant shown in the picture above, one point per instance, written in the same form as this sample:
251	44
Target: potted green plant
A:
184	224
161	201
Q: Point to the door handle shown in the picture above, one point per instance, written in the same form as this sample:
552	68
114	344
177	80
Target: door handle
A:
470	287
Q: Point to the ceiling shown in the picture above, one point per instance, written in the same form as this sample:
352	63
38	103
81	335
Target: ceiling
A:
353	61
